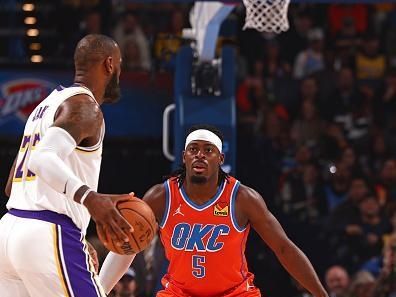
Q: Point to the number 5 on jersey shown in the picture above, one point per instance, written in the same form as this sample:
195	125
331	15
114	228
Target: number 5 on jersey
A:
198	270
29	142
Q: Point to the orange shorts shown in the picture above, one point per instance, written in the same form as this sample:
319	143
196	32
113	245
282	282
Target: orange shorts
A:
245	289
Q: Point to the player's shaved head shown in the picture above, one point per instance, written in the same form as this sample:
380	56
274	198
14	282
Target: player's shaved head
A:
92	49
97	61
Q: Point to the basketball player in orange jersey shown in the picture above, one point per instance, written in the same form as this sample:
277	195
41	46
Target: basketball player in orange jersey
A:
53	183
205	216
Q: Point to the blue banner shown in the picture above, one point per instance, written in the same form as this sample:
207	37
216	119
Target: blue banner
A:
137	114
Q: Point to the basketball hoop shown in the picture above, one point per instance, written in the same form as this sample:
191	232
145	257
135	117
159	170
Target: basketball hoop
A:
267	15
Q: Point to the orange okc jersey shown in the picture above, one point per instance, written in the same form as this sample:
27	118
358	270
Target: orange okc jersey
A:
204	245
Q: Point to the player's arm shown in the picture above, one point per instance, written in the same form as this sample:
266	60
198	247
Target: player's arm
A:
115	266
78	120
155	198
252	209
8	187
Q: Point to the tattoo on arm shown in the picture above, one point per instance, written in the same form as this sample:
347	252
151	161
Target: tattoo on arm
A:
80	116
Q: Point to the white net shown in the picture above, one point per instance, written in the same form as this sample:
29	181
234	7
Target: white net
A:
267	15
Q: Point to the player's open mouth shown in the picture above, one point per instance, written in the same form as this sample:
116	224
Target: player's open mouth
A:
199	167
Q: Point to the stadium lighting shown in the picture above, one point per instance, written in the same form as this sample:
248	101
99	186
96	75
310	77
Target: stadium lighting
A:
30	20
36	58
28	7
32	32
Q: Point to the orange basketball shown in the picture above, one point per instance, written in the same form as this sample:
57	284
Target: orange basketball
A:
142	219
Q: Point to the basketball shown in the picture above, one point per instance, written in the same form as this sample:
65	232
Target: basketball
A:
142	219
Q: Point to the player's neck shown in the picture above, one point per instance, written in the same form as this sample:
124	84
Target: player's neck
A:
85	82
201	193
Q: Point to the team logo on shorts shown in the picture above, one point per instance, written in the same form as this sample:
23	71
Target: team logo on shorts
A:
19	97
220	210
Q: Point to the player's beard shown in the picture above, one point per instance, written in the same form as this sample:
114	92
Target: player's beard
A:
112	92
197	179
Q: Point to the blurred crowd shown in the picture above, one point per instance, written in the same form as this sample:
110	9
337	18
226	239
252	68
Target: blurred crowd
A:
317	108
316	128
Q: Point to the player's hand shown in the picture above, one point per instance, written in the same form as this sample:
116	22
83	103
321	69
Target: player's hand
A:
110	225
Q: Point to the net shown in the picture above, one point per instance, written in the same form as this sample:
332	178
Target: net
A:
267	15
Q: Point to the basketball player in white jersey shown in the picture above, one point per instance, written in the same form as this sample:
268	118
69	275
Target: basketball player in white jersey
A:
53	183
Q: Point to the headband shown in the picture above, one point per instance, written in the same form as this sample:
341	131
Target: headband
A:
203	134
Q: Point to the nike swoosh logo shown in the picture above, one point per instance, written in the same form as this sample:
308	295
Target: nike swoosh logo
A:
64	191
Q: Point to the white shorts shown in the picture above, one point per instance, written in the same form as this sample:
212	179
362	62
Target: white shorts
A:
43	254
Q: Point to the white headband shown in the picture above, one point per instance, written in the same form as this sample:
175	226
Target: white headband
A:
203	134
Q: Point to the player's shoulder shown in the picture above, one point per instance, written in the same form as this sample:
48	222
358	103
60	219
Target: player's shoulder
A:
246	193
81	101
249	203
81	106
155	197
155	192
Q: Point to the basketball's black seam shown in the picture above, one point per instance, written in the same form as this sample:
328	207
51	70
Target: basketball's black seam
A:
119	249
136	242
152	229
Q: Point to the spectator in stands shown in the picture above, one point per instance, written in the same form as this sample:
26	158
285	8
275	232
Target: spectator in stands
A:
308	127
295	40
381	265
362	285
310	60
302	196
251	99
337	187
309	89
333	142
168	41
386	108
270	150
386	186
132	41
386	283
337	281
350	158
350	109
346	42
92	23
150	266
126	286
274	65
344	98
132	56
370	64
346	213
373	226
377	155
343	224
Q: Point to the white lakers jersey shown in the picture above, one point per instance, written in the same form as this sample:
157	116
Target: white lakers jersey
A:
29	192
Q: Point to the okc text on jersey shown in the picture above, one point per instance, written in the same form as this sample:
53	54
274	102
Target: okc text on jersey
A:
199	237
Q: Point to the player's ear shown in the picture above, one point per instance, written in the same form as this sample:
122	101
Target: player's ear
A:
109	65
222	158
184	157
